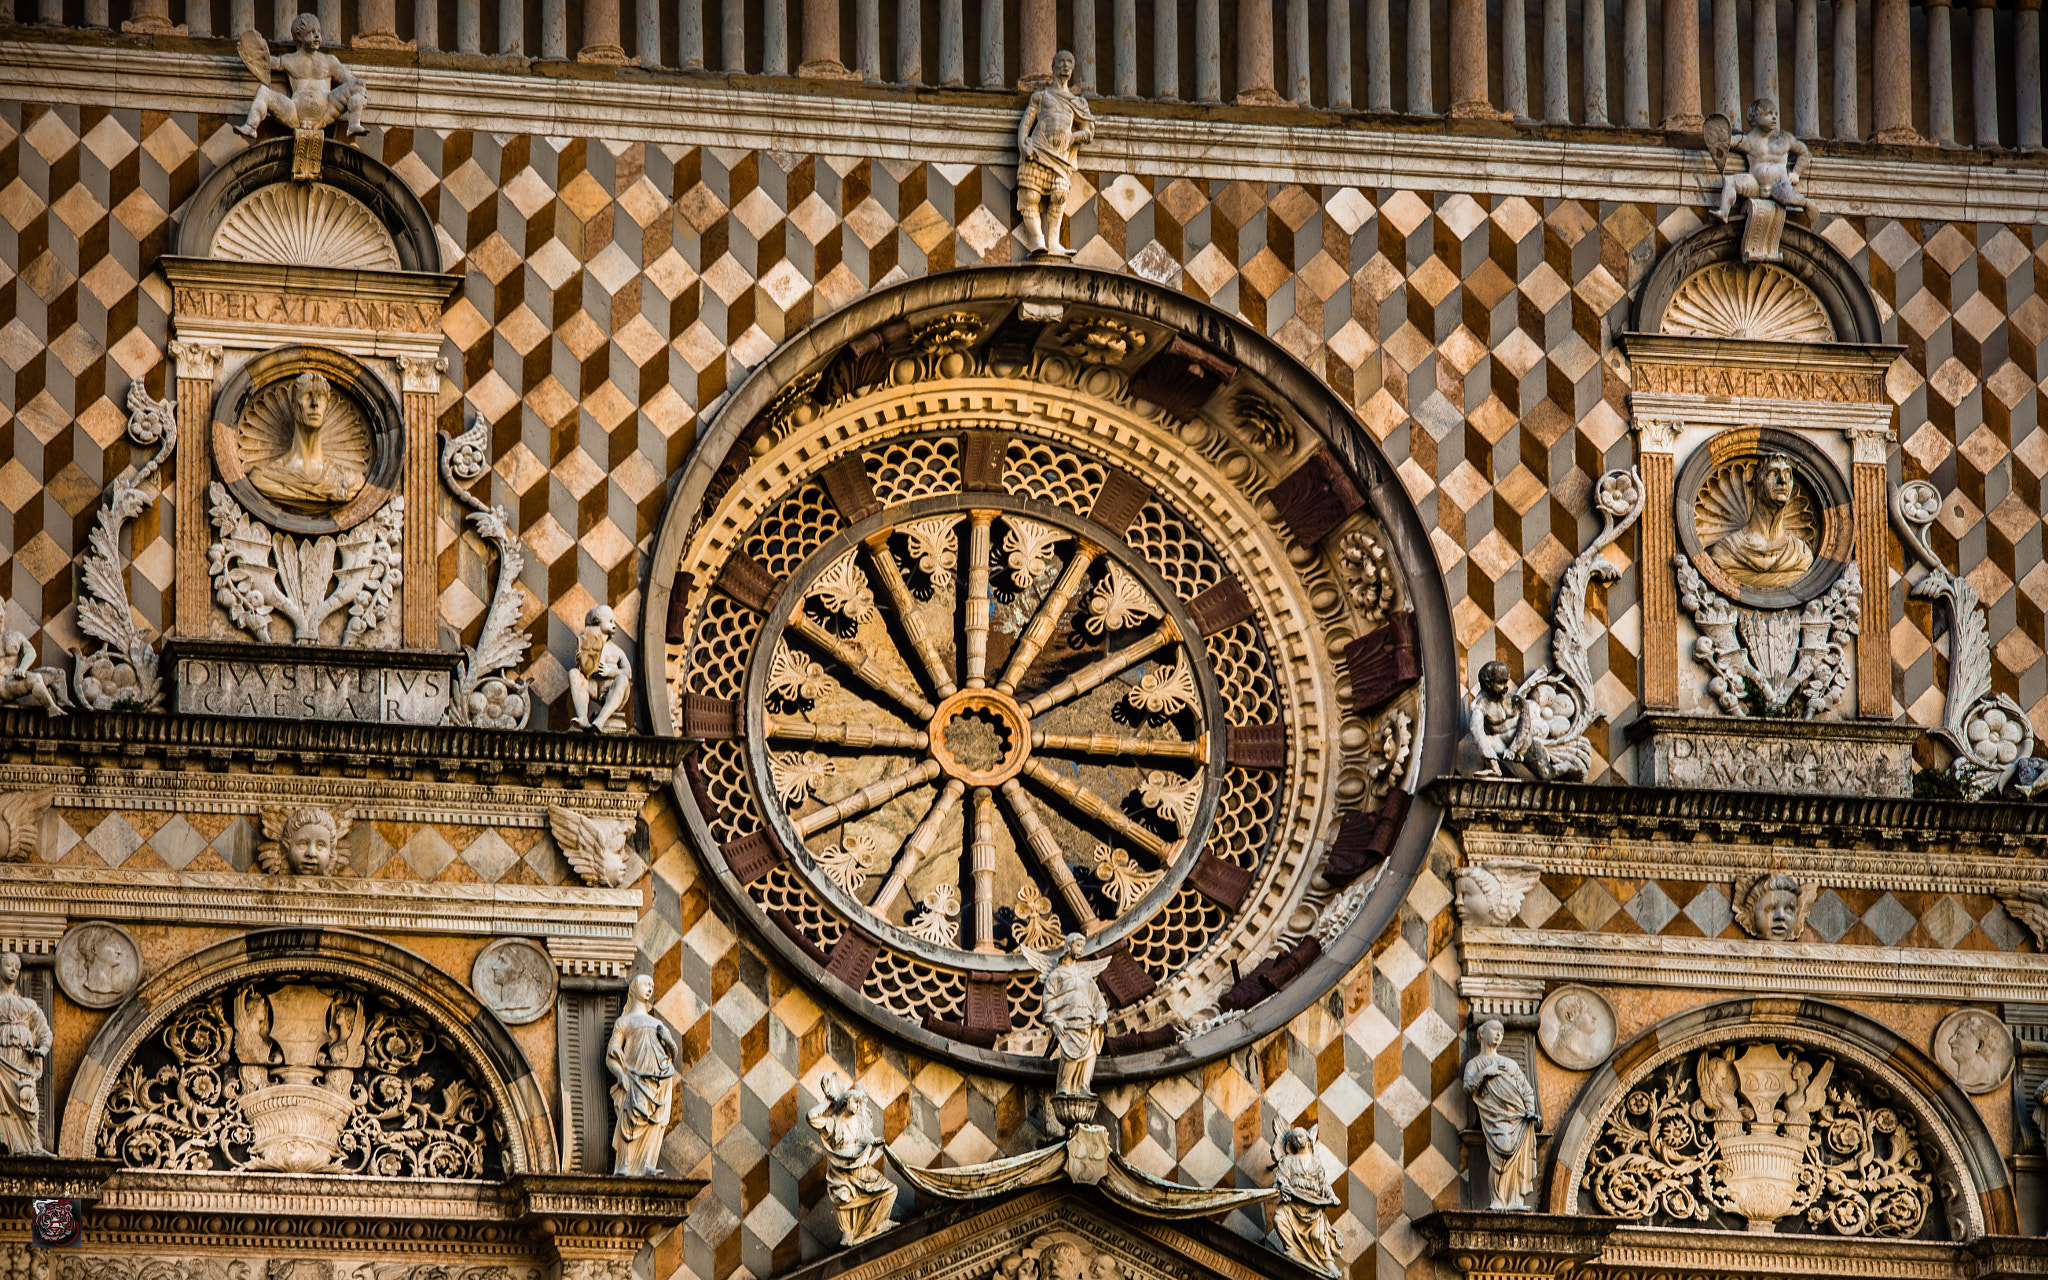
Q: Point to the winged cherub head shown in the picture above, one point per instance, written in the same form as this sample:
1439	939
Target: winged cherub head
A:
303	842
1490	894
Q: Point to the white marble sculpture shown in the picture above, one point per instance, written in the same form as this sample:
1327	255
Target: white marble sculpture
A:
322	90
1773	907
303	842
24	1044
1055	126
1300	1217
861	1193
1504	729
21	822
1774	163
596	847
601	676
642	1059
23	683
1506	1104
1074	1012
1490	894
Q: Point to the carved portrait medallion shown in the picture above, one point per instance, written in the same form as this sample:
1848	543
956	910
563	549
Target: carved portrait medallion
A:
1763	515
1576	1027
308	440
1975	1048
515	979
98	964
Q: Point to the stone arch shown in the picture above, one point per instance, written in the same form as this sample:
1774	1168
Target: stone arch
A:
361	185
1809	260
1970	1175
1333	443
402	976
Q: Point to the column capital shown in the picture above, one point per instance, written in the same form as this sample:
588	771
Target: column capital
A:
421	373
199	361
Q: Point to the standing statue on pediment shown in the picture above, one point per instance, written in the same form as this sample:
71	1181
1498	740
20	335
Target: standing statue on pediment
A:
24	1045
1056	125
322	90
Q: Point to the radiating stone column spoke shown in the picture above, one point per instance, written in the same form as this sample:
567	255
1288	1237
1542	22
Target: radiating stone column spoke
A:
1097	808
862	665
858	736
1045	847
871	796
1111	744
1102	670
1047	617
921	639
920	843
977	618
982	865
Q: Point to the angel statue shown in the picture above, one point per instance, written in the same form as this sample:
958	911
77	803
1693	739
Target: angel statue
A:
861	1193
322	90
1074	1011
1299	1220
303	842
23	683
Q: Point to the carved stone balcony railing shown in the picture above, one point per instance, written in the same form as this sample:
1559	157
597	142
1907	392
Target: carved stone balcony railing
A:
1889	72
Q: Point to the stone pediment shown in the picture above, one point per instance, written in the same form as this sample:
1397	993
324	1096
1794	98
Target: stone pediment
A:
1064	1234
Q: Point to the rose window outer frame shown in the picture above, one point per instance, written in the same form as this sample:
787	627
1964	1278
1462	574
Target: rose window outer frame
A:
931	378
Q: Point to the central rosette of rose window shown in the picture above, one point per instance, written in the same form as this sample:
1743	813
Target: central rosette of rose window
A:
986	727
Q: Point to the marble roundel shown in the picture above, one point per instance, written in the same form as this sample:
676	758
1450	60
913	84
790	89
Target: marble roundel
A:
986	650
1975	1048
1763	515
1576	1028
309	440
515	979
98	964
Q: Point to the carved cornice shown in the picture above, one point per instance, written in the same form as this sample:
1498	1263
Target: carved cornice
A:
758	112
589	921
1751	967
1780	820
347	750
1484	1244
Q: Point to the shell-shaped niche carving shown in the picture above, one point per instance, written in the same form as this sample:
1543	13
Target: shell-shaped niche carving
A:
303	223
1756	301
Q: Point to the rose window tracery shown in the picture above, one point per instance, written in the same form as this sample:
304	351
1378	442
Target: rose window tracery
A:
988	646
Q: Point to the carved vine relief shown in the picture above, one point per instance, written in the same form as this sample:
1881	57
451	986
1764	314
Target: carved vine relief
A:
301	1077
1768	1136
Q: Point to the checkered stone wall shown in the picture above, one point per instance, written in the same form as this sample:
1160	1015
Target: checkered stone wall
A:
613	291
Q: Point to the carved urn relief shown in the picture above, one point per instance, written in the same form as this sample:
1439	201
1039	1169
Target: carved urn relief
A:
1765	426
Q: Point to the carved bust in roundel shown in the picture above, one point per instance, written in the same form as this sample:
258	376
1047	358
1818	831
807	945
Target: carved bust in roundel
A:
308	440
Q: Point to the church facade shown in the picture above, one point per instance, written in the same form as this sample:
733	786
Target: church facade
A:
1044	640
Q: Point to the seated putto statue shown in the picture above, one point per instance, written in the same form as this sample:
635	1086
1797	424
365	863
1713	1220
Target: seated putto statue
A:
1774	164
1504	732
861	1193
23	683
322	90
1055	126
601	675
305	476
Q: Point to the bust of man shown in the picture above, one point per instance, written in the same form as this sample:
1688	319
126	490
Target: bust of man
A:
304	476
1766	551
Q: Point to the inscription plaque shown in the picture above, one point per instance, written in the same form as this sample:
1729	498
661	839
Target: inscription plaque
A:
307	682
1803	756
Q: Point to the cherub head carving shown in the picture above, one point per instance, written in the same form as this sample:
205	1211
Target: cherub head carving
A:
303	842
1773	907
1490	894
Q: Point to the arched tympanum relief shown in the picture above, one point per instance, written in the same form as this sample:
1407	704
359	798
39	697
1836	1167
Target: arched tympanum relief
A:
1015	612
1799	1118
308	1051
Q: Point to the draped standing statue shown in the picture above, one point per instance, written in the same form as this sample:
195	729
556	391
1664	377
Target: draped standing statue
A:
1300	1217
1506	1104
861	1193
1074	1012
642	1059
24	1044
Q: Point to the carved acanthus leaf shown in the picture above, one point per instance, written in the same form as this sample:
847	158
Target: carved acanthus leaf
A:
843	588
257	570
1165	690
1773	663
1028	550
485	696
21	823
1118	601
935	546
1175	799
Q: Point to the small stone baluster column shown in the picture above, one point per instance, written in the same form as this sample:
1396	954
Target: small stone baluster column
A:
1764	51
821	42
775	38
1682	67
191	471
1338	53
419	382
426	23
1727	63
2027	88
1084	46
1421	86
1847	126
1984	69
1208	51
1635	64
1255	54
511	27
281	14
151	17
867	40
1037	41
1593	56
647	32
1166	49
690	34
992	44
376	25
1300	83
1941	74
330	18
909	44
601	33
554	28
469	26
1891	74
1469	98
1806	68
1123	47
732	36
1379	57
952	43
241	17
1557	89
1514	58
